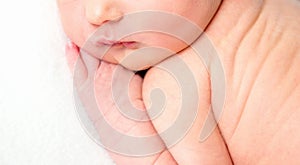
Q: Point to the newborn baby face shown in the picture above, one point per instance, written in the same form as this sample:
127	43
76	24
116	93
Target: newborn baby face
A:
81	18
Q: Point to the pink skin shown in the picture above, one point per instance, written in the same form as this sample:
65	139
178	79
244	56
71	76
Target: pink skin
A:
259	49
103	79
260	53
72	13
91	14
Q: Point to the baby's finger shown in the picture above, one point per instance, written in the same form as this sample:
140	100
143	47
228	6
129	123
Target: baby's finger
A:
75	64
90	63
119	98
72	54
81	64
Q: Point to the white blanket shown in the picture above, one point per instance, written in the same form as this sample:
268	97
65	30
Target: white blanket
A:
38	122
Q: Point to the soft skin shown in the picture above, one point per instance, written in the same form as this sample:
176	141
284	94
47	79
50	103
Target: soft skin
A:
80	18
90	15
258	45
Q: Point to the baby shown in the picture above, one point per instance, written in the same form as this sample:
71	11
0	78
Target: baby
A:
256	41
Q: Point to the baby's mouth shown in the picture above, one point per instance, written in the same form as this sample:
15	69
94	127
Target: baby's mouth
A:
122	44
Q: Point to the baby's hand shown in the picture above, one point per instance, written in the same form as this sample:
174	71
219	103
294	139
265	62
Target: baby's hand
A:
91	70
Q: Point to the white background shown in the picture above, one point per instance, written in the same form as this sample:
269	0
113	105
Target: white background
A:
38	123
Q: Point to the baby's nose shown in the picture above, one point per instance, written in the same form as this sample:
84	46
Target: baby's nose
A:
99	11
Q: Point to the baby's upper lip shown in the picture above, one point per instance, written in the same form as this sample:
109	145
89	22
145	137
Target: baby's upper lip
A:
107	42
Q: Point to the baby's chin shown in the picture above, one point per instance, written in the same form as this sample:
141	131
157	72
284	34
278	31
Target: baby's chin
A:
131	66
143	59
134	66
139	64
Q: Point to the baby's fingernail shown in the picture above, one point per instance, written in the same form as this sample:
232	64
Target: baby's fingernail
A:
70	46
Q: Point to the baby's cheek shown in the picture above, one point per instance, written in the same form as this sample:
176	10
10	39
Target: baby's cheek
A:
75	34
73	21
